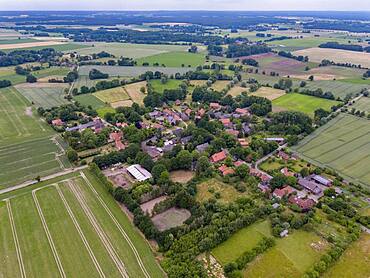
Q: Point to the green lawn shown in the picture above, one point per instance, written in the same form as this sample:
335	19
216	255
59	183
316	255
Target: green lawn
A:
342	144
90	99
174	59
159	87
244	240
131	50
303	103
354	263
290	257
73	216
112	95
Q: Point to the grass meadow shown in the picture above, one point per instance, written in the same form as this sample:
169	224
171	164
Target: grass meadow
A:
342	144
26	146
302	103
72	227
130	50
112	95
243	240
355	261
90	100
174	59
290	257
159	87
45	97
269	93
363	104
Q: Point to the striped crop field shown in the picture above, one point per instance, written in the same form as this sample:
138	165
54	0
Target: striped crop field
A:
70	228
343	144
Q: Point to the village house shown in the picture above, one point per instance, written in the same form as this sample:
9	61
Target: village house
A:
243	142
226	122
286	172
278	140
116	138
232	132
304	204
310	186
239	163
218	157
215	106
242	111
57	122
283	155
226	170
285	191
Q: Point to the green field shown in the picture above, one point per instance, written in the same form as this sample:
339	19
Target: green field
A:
357	81
112	95
243	240
159	87
26	149
15	41
130	50
45	97
290	257
363	104
174	59
354	263
90	100
302	103
27	160
73	228
338	88
298	44
343	144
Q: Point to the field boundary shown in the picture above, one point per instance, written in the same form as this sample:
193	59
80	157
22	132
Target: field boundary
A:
118	225
80	232
15	238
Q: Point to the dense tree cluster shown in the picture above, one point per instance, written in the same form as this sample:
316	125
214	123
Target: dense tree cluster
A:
239	50
291	56
336	45
290	123
5	83
96	74
18	57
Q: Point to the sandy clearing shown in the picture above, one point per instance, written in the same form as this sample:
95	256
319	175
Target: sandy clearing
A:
30	44
181	176
237	90
317	54
148	207
269	93
122	103
133	90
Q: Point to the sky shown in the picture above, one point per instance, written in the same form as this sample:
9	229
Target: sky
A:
312	5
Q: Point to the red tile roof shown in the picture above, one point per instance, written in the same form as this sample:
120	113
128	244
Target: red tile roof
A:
304	204
217	157
241	111
226	170
280	193
57	122
286	172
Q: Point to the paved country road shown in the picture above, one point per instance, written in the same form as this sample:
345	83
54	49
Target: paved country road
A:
31	182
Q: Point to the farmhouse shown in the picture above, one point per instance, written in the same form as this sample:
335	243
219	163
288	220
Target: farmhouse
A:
138	172
322	180
218	157
280	193
310	185
304	204
57	122
226	170
243	142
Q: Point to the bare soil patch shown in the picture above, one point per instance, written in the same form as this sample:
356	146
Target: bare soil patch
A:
170	218
133	90
181	176
269	93
317	54
122	103
148	207
30	44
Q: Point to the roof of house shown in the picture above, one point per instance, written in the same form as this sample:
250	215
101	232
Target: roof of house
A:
322	180
232	132
286	172
138	172
239	163
57	122
241	111
225	170
310	185
280	193
202	147
304	204
283	155
218	156
225	121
